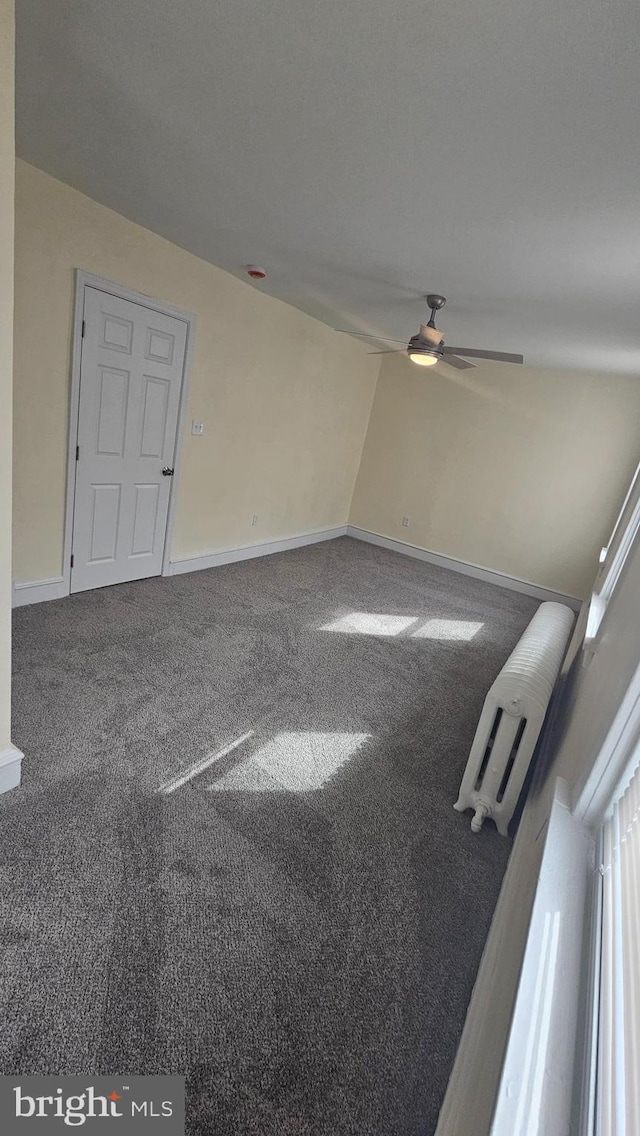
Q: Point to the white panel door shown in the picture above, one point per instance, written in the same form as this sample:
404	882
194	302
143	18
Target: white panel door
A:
130	382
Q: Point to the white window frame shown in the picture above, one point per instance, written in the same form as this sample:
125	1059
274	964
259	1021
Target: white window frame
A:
610	776
612	560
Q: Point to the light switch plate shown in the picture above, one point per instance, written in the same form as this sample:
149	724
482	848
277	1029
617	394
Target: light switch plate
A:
197	428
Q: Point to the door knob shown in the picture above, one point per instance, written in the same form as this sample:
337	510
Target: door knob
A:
166	472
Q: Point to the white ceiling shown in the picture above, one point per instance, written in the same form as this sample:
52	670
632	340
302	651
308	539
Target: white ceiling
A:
366	152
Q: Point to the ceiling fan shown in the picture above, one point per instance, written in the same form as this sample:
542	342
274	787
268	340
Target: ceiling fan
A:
428	347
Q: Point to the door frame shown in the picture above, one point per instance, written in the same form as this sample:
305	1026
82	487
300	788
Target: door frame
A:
88	280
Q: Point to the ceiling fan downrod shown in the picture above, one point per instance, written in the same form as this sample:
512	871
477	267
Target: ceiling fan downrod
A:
435	303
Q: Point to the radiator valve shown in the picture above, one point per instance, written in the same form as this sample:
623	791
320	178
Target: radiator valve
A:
478	818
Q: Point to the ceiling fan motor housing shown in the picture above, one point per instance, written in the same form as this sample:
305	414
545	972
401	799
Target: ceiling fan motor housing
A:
423	345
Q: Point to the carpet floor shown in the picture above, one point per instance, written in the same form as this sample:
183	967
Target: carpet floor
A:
234	854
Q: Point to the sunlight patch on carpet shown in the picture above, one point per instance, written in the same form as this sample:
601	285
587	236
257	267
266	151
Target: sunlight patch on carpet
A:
294	762
447	629
203	764
378	623
370	623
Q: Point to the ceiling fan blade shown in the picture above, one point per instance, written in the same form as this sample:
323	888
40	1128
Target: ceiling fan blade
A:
459	364
474	353
391	351
367	335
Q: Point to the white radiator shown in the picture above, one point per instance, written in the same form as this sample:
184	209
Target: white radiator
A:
512	718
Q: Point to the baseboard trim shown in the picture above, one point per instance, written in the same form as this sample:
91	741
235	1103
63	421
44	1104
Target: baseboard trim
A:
37	591
249	551
465	568
10	766
55	588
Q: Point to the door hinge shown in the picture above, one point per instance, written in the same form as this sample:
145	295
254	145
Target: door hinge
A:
83	328
72	560
77	453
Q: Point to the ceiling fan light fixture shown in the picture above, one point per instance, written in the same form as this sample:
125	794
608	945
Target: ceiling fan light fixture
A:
422	358
422	352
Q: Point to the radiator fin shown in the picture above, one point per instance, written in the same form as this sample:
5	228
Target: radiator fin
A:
487	753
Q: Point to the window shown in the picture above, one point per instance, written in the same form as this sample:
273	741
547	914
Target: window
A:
617	1098
613	557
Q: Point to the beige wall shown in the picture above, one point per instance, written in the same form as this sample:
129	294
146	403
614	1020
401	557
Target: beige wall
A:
286	407
7	154
510	468
517	470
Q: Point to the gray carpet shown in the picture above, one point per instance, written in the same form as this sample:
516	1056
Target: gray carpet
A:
294	923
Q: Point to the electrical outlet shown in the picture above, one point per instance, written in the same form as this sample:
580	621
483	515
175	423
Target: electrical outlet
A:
406	522
254	518
197	428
